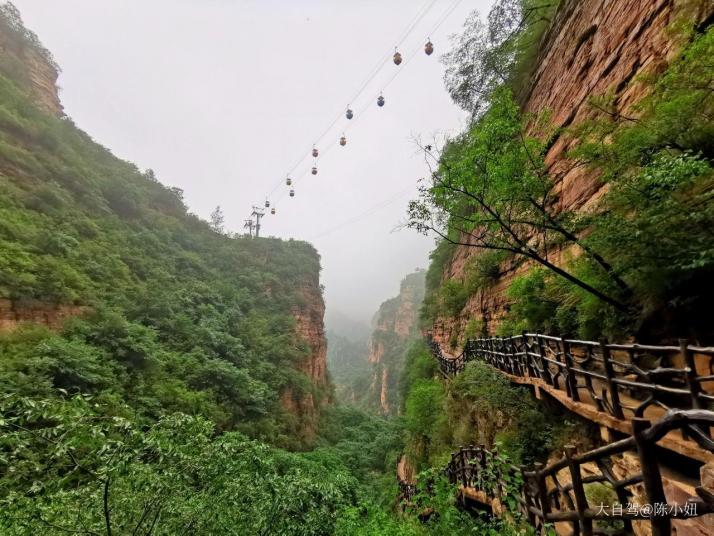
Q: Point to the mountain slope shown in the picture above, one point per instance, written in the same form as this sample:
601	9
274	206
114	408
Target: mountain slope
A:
175	316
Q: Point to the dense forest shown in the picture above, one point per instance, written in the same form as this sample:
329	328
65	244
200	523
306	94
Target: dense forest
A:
157	409
158	406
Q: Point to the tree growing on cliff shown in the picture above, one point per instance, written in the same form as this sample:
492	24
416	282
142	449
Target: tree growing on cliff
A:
489	189
497	51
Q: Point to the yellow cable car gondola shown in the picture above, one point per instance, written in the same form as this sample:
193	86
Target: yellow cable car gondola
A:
288	181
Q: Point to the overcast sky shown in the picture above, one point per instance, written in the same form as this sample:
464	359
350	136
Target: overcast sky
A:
223	97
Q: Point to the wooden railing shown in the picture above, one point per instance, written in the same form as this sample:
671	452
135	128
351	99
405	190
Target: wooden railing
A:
558	494
622	380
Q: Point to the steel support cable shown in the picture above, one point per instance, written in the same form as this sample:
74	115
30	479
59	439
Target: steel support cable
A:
373	73
410	57
354	219
445	15
427	6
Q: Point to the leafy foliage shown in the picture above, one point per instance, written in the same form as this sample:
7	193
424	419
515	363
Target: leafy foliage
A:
179	317
480	406
80	471
349	369
499	51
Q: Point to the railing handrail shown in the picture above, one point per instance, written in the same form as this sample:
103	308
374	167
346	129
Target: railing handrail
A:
621	371
541	503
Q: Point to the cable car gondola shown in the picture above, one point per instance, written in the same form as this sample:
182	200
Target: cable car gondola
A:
267	203
380	101
288	181
349	114
429	47
397	58
272	210
343	140
292	192
314	170
314	152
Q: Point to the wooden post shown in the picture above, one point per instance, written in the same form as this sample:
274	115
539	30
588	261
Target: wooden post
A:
530	515
501	349
464	482
482	464
570	378
581	502
509	350
611	386
651	478
543	363
692	383
542	491
530	366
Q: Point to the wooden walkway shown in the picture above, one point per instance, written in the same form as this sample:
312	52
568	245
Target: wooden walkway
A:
605	383
557	495
653	396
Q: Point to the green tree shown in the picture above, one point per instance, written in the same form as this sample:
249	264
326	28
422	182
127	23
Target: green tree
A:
491	191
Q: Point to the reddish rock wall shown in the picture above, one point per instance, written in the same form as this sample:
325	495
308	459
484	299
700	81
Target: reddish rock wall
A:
30	69
13	313
395	322
309	328
592	48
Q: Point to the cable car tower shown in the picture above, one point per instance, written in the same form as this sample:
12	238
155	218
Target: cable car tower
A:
258	213
249	225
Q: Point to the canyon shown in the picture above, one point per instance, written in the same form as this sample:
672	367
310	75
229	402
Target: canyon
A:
395	325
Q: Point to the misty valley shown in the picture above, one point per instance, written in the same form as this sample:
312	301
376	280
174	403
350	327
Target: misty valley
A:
479	303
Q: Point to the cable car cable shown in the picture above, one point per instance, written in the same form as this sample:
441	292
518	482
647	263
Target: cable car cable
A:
375	70
427	6
354	219
445	15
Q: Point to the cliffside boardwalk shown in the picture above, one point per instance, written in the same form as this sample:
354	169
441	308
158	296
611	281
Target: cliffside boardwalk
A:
607	383
558	493
627	384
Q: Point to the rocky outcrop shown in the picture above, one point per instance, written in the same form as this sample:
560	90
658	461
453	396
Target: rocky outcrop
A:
310	328
310	331
591	48
25	61
15	313
394	325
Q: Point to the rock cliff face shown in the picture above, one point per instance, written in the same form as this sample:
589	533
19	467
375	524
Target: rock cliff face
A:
310	330
394	325
26	61
591	48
